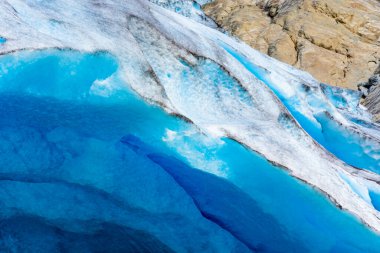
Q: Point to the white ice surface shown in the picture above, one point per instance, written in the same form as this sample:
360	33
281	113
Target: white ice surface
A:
179	64
187	8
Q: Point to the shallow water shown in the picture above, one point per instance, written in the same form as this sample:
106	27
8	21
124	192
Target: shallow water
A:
85	164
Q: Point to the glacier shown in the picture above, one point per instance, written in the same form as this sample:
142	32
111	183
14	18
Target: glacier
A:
61	136
126	127
349	141
187	8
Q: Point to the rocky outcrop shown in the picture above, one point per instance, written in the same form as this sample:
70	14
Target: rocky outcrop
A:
337	41
371	94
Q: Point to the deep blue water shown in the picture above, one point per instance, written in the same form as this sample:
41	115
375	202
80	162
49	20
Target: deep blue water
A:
347	146
2	40
84	172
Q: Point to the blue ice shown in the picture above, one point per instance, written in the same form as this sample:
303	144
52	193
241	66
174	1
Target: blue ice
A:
197	6
2	40
375	199
81	172
347	146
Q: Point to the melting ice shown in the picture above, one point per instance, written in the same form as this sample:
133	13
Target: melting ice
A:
156	133
73	163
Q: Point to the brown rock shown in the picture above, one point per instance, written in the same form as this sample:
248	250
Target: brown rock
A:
337	41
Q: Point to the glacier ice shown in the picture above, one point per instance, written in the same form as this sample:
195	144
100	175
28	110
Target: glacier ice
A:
84	158
315	114
72	103
68	147
187	8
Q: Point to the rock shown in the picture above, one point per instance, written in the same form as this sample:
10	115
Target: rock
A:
337	41
372	102
363	90
364	85
371	94
374	80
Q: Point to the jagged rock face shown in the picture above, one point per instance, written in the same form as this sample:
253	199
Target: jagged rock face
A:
373	101
372	93
337	41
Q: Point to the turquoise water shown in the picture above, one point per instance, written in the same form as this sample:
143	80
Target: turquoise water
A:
375	198
347	146
2	40
85	167
197	6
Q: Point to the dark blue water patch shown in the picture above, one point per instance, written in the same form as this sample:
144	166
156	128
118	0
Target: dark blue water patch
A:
41	236
2	40
79	212
65	160
231	208
224	203
346	145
